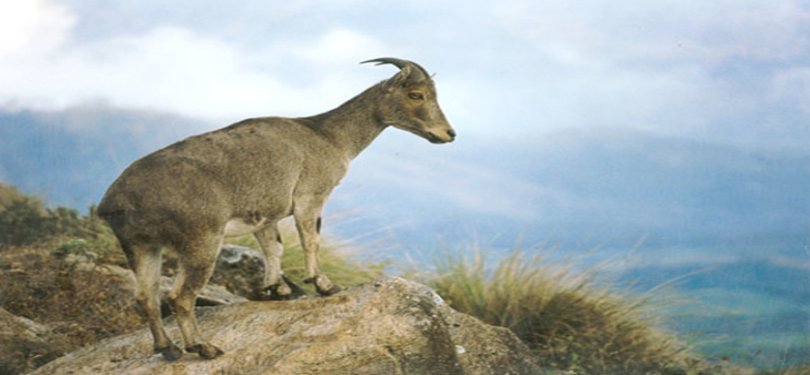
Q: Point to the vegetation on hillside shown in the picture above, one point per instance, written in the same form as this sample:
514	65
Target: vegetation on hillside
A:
25	220
570	322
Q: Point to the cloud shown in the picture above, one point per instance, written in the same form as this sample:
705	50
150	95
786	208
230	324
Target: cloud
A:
32	28
592	32
338	46
473	188
176	69
791	87
455	178
722	71
725	71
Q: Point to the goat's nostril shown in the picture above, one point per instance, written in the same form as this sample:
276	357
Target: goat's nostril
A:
451	133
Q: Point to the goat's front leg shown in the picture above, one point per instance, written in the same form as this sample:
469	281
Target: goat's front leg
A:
276	286
308	223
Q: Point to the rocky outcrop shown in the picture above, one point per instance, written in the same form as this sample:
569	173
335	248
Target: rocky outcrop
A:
393	326
25	344
124	279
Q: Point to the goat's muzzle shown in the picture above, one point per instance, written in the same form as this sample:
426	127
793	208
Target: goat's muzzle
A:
439	138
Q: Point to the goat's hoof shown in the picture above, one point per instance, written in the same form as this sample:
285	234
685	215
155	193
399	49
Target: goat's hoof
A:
270	293
333	290
205	351
274	292
296	291
170	353
323	291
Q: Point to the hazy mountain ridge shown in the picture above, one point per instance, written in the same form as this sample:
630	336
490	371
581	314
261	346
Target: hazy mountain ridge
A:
71	156
753	310
613	187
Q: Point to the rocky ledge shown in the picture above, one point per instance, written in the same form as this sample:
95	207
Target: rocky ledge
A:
392	326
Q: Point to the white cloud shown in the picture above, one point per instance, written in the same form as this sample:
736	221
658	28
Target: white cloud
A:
175	69
32	28
707	70
792	87
592	32
339	46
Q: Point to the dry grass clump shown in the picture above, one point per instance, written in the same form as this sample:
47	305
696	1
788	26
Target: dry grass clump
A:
57	288
566	319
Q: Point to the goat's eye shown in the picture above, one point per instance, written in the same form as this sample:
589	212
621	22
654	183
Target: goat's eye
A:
416	96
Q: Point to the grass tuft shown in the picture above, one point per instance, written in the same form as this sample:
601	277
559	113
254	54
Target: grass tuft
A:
568	321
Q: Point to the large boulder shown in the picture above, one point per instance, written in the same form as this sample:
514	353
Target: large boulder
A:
25	344
240	270
393	326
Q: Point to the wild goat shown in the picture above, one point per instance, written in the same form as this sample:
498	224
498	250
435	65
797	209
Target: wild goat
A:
245	178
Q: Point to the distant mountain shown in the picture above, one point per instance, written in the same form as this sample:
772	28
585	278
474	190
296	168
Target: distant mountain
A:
609	188
754	311
70	157
787	281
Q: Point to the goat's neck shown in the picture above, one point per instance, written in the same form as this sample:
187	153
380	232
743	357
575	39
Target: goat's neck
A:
353	125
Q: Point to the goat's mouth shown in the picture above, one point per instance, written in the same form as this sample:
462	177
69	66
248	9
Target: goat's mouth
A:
433	138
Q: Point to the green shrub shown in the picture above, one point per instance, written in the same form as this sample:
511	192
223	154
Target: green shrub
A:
25	220
8	194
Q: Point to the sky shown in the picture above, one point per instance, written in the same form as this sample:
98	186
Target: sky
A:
734	72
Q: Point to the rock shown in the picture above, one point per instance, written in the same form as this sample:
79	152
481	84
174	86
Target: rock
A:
486	349
393	326
25	344
240	270
211	294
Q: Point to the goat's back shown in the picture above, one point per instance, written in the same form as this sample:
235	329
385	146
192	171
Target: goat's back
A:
253	165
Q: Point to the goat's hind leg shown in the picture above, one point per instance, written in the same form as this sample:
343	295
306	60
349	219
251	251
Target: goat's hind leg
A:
145	261
197	260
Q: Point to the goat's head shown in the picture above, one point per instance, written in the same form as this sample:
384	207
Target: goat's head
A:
409	102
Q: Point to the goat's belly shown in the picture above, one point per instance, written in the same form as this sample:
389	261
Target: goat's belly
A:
238	227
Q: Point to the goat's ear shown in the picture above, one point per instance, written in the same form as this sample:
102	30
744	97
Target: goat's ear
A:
401	79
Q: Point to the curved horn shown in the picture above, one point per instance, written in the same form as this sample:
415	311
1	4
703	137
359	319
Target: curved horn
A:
399	63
